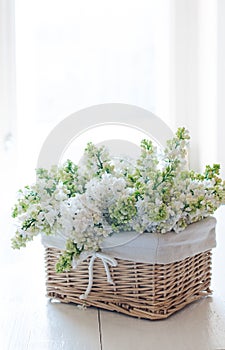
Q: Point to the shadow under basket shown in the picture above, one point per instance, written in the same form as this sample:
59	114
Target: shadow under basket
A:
150	291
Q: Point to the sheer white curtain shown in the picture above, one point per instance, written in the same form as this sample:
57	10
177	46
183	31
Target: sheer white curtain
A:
195	75
7	75
221	84
7	103
8	153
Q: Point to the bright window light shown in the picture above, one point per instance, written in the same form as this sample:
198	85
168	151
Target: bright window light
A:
80	53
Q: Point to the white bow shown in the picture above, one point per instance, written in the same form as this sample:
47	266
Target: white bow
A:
106	260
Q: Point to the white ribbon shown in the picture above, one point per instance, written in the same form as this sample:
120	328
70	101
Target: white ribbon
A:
106	260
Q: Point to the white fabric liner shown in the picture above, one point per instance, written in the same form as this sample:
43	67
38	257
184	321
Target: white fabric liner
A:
169	247
153	248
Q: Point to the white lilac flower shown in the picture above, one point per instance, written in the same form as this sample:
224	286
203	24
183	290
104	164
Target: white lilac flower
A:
84	204
105	191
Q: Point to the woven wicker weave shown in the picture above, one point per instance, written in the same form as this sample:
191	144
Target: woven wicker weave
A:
141	290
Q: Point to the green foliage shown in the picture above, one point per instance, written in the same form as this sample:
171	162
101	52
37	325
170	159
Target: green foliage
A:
64	262
123	212
20	240
68	175
97	160
182	134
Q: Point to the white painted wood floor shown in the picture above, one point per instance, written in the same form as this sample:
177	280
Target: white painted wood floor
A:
29	321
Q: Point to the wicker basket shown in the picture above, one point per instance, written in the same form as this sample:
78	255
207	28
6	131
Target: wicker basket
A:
151	291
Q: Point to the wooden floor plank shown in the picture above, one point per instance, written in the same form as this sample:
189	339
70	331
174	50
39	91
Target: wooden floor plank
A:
29	321
199	326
